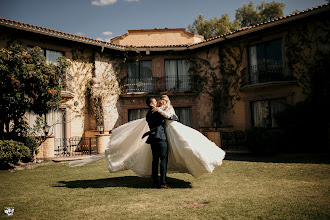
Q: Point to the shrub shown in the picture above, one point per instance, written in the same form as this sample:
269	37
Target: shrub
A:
263	141
31	143
303	128
11	152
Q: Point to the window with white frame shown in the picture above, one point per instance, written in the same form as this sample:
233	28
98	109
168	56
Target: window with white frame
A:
177	75
262	112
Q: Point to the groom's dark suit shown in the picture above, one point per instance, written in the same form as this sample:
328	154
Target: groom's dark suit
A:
158	141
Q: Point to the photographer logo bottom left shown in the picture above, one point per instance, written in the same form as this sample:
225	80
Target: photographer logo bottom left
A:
9	211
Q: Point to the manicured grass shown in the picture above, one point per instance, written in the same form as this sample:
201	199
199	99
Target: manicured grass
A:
244	187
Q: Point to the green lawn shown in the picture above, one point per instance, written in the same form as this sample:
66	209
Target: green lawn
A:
244	187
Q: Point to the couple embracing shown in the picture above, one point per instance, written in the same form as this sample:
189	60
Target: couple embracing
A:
156	117
165	141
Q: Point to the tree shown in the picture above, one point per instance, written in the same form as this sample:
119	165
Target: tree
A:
213	27
270	11
246	15
28	84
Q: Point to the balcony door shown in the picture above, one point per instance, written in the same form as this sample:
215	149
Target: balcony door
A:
266	62
177	75
261	110
184	115
139	76
134	114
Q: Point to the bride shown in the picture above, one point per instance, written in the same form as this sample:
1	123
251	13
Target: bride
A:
189	150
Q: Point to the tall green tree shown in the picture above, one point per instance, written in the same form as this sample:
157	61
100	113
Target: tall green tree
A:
28	84
213	27
246	15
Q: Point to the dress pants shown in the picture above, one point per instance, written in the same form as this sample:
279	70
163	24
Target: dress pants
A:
159	152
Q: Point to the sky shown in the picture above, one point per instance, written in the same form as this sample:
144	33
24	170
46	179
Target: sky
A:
106	19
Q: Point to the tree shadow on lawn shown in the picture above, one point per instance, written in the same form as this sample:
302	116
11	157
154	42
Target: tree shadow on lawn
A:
125	181
280	158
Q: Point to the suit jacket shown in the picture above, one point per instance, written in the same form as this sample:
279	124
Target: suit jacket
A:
156	124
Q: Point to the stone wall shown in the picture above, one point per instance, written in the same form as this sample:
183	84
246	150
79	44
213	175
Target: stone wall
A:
204	99
82	72
107	70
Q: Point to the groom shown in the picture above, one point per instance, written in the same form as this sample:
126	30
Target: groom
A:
158	141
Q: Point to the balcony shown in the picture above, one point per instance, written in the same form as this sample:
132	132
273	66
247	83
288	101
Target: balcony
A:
271	73
160	84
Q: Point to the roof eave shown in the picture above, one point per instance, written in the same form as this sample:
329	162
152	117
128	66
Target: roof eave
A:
259	27
61	35
169	48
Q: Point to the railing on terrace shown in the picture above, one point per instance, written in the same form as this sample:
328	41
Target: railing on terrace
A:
266	72
75	146
233	141
139	84
168	83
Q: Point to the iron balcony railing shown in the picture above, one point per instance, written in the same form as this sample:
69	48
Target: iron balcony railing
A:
266	72
139	84
153	84
75	146
233	141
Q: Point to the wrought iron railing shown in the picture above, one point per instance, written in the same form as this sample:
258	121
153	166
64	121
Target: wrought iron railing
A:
139	84
167	83
266	72
75	146
233	141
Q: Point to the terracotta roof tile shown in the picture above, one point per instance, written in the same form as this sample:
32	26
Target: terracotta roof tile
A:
73	37
60	34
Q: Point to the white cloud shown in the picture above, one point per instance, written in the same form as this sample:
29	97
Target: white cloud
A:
131	0
103	2
103	39
107	33
80	33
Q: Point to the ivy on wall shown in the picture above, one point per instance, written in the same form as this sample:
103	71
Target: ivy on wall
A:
308	54
99	74
221	80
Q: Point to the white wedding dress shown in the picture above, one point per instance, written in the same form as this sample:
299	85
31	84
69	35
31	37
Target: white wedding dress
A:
189	150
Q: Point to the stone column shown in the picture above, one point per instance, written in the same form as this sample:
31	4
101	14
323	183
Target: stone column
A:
46	149
102	141
67	123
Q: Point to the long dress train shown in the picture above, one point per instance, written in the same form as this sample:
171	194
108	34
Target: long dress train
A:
189	150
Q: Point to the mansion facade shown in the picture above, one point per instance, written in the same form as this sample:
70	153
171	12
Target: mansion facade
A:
231	82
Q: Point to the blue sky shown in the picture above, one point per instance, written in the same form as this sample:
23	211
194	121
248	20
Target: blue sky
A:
105	19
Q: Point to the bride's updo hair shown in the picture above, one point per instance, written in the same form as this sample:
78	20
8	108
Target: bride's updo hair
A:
166	102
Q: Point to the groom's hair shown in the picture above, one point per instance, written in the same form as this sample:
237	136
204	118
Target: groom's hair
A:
148	101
